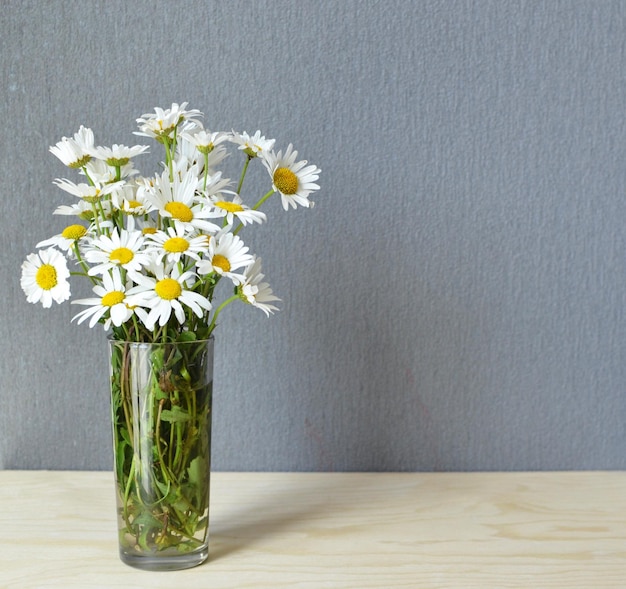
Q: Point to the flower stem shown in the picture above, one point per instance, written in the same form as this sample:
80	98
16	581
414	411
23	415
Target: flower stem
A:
243	174
82	264
255	208
88	176
219	310
263	199
168	158
206	170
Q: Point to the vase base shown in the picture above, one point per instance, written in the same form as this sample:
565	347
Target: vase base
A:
176	562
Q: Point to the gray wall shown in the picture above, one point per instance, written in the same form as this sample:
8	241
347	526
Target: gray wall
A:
455	301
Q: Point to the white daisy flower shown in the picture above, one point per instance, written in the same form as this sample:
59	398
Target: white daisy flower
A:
100	173
45	277
254	145
165	293
225	254
132	200
187	155
293	180
75	152
118	155
147	226
67	238
235	210
174	243
205	141
176	200
111	302
83	210
122	249
87	192
254	291
162	123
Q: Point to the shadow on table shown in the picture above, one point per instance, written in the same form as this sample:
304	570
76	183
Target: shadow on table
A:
251	517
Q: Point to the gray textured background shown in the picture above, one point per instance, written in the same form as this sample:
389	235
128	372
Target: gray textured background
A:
455	301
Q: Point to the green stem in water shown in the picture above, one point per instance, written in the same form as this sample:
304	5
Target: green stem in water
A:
131	476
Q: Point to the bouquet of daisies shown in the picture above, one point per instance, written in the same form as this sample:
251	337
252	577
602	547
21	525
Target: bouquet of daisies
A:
155	247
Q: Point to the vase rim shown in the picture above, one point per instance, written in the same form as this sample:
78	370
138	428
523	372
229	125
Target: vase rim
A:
112	340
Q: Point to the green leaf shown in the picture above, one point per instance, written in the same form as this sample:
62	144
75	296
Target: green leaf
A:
187	336
175	415
197	471
145	518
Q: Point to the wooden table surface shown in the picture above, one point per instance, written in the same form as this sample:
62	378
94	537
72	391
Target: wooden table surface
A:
317	530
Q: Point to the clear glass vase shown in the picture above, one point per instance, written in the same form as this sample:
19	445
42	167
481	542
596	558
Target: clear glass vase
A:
161	398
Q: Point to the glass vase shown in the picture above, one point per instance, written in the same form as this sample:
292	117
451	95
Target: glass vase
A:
161	398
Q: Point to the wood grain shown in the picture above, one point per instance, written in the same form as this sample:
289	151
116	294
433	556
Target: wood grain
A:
334	530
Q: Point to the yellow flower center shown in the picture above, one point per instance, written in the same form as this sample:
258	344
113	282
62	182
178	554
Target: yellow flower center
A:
176	245
74	232
179	211
121	255
168	289
133	204
112	298
46	276
286	181
231	207
149	230
221	262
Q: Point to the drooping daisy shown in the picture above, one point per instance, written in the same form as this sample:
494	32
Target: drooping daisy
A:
75	152
252	146
67	238
235	210
293	180
163	122
100	173
174	243
45	277
165	292
83	210
205	141
254	291
122	249
189	153
226	253
176	200
118	155
110	303
87	192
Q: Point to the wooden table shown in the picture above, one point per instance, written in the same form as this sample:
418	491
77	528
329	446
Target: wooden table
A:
312	531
